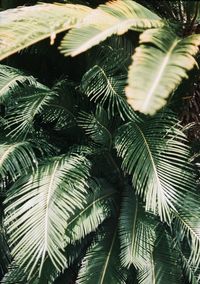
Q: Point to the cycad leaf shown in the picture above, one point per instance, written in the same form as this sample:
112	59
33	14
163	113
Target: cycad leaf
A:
24	26
20	121
101	263
159	64
16	159
157	162
95	125
118	17
136	231
96	209
38	208
9	79
164	267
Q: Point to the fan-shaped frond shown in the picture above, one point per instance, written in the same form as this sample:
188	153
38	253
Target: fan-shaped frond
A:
95	125
105	81
159	65
136	231
101	262
38	208
164	267
118	17
9	80
96	210
21	117
155	153
16	159
24	26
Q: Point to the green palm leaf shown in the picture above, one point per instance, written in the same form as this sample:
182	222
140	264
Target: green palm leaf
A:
118	17
31	103
97	208
159	65
16	159
136	230
101	264
38	208
9	79
156	155
24	26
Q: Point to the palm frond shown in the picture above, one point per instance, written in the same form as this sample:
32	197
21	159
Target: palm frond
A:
38	208
164	267
9	81
101	263
21	116
119	16
159	65
24	26
156	155
16	159
137	232
96	126
96	210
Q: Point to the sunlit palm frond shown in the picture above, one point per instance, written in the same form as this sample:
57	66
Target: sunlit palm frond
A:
16	159
159	65
118	17
21	116
156	155
98	207
38	208
105	81
24	26
137	232
10	79
101	262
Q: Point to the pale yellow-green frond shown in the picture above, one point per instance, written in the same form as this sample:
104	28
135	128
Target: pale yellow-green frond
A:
24	26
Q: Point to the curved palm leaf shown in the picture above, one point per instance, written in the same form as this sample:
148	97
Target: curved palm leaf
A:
96	126
159	64
9	80
20	121
118	17
16	159
38	208
96	209
136	231
101	264
156	155
24	26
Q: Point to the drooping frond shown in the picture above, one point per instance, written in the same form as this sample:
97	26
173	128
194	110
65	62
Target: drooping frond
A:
24	26
95	211
159	65
164	267
105	81
10	79
118	17
96	126
16	159
155	154
38	208
21	118
136	231
101	262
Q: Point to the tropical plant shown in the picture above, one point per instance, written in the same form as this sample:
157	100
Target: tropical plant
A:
99	182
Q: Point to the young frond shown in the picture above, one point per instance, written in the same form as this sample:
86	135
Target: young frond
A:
9	81
38	208
118	17
24	26
159	65
155	154
136	231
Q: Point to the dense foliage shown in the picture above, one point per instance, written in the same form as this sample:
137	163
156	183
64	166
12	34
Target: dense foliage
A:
99	142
